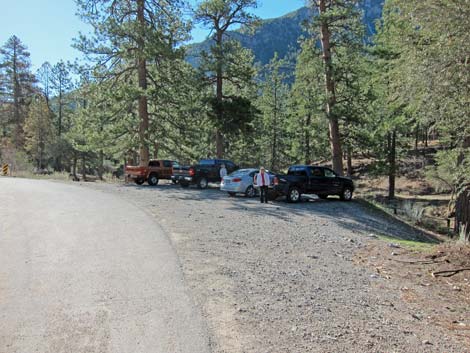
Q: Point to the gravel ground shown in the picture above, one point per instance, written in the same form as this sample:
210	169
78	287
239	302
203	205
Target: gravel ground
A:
282	278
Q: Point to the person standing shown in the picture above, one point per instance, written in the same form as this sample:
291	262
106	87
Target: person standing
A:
263	181
222	172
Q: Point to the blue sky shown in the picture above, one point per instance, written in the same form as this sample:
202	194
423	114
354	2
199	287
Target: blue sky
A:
48	26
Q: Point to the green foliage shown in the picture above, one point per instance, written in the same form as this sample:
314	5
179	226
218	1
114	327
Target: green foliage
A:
451	170
16	88
39	132
273	103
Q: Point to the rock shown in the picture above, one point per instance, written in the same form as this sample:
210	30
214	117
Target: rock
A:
427	342
393	245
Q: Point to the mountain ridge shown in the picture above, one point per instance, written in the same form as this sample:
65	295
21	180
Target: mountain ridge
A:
280	34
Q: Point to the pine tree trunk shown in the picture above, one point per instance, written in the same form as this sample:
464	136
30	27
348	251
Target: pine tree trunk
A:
274	131
83	167
219	139
142	76
416	138
334	134
307	139
349	161
74	166
101	165
462	215
391	138
16	100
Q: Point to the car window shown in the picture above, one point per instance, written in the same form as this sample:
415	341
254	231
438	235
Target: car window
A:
154	164
167	164
316	172
291	171
207	162
329	173
175	164
241	172
297	171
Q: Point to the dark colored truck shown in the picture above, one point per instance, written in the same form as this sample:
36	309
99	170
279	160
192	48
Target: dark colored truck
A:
306	179
203	173
156	170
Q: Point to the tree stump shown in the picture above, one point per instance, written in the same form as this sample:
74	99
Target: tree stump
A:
462	214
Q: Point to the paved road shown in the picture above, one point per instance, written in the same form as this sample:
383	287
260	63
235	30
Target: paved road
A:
84	271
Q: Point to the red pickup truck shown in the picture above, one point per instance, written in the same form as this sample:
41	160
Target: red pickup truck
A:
156	170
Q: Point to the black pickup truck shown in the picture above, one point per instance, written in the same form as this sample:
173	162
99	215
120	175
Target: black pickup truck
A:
306	179
203	173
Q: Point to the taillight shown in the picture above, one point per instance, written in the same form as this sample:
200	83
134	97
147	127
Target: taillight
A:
276	181
236	180
191	172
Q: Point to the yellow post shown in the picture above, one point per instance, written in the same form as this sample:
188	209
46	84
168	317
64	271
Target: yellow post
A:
5	169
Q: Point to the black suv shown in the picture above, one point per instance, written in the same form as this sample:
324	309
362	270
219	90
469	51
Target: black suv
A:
307	179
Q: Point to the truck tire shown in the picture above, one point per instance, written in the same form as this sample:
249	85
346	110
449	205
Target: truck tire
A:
138	181
323	197
346	194
294	194
202	183
152	179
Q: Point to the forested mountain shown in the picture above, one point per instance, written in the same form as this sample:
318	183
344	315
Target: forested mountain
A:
281	34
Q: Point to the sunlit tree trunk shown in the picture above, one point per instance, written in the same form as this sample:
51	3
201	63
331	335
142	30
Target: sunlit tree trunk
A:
334	135
142	77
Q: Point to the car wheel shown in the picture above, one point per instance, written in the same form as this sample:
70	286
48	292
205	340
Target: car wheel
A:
139	181
153	179
346	195
323	197
294	194
173	181
184	185
202	183
231	194
250	191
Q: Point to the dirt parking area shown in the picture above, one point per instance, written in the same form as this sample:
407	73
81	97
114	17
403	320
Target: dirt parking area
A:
286	277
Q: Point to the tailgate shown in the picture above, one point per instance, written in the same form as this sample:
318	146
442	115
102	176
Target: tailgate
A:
181	171
136	171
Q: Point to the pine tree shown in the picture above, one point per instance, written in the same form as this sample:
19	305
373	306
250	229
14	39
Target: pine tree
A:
308	125
44	78
61	84
227	61
273	104
339	23
38	129
16	87
129	36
